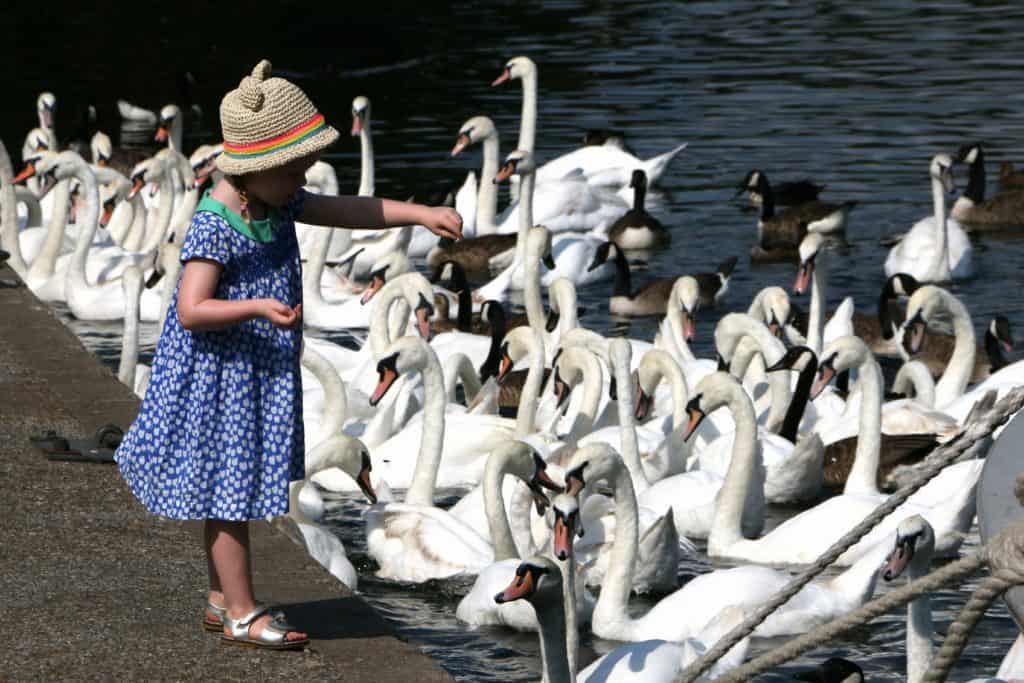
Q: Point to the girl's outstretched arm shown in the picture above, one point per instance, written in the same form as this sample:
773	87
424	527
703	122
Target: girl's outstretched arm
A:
373	213
199	311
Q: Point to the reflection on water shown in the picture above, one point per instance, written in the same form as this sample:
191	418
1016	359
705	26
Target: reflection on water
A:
857	96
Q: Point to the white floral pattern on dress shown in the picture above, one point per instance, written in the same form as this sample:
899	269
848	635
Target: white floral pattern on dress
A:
219	434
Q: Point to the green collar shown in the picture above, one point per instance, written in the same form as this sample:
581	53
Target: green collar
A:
260	230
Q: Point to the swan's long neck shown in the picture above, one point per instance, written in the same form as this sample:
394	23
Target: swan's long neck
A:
367	184
531	293
863	476
90	191
593	385
45	263
920	629
856	585
169	258
460	370
487	197
9	215
915	379
551	620
627	426
729	334
135	234
494	506
618	581
939	271
313	271
528	119
816	316
671	371
164	212
961	365
572	629
525	215
726	528
424	477
674	332
131	284
527	414
380	317
181	218
335	398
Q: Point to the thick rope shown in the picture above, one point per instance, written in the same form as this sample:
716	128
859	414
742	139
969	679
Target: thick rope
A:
888	602
960	630
971	440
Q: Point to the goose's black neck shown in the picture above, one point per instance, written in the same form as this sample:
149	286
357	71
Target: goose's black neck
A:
623	283
496	318
639	192
798	403
996	359
976	179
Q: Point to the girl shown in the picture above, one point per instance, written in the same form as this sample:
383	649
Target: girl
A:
219	434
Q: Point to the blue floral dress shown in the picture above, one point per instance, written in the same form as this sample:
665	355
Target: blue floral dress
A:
220	433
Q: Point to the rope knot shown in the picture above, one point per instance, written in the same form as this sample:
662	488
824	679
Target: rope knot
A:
251	87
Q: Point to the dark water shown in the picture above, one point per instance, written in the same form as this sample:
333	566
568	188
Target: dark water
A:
855	95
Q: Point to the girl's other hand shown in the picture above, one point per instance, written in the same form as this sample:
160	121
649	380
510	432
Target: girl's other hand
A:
443	222
281	315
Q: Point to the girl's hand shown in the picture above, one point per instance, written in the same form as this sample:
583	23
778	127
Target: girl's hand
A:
443	222
279	314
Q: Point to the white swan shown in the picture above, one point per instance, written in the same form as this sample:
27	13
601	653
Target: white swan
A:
474	130
947	501
351	457
601	164
572	253
924	305
131	373
539	581
936	249
103	301
678	329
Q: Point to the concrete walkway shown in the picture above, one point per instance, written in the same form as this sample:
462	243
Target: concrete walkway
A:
94	588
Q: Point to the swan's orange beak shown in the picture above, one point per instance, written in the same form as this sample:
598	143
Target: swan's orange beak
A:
388	375
460	144
504	76
423	323
696	416
108	211
521	587
643	404
363	480
825	374
505	368
562	538
376	282
357	124
505	172
161	134
26	173
689	328
102	162
803	277
137	185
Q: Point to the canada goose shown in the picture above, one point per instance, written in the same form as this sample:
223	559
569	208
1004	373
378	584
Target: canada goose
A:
833	670
783	232
1003	210
1010	179
788	193
637	229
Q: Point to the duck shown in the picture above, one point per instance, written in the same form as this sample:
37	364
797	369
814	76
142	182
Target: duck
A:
539	581
786	193
936	249
603	165
637	229
784	231
1005	209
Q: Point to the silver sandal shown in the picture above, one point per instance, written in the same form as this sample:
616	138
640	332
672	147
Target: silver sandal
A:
272	637
214	626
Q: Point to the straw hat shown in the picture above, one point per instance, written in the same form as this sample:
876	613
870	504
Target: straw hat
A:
268	122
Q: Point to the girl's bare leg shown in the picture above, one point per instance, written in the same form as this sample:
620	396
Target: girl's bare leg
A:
227	547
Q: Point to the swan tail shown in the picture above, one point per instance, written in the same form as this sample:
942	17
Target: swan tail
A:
655	166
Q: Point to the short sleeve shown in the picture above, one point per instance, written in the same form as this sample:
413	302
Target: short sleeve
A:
207	238
295	205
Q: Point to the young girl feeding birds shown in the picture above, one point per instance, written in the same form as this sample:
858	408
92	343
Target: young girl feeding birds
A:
219	434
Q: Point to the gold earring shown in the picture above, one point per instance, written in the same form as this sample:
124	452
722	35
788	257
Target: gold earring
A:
243	196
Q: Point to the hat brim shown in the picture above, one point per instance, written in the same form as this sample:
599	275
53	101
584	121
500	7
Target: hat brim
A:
230	165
